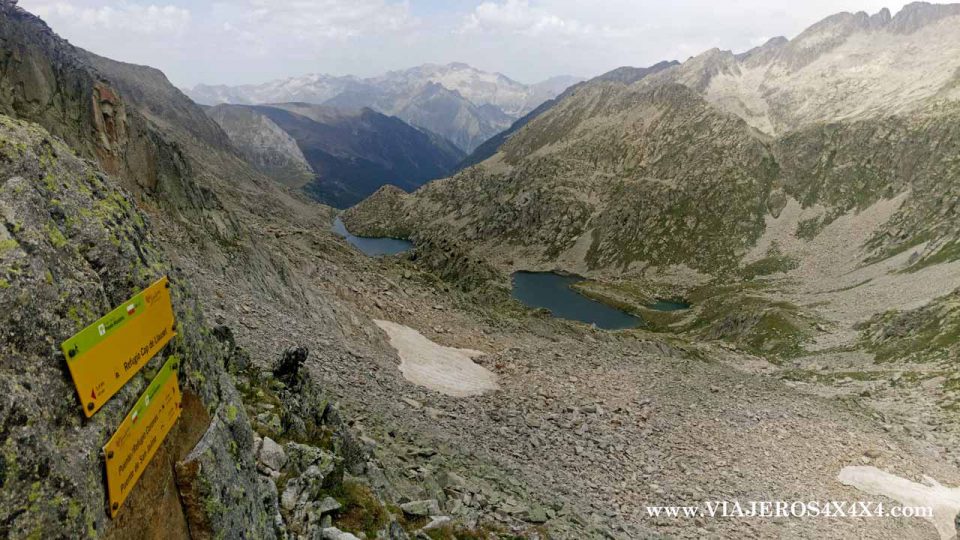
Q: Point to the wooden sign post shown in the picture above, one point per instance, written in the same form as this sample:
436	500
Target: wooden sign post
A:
141	433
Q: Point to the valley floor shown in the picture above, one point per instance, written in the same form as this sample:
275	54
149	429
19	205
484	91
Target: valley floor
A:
588	428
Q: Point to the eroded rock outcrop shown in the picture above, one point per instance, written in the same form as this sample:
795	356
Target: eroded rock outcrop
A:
73	247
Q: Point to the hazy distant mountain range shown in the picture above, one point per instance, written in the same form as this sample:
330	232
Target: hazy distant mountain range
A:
338	157
456	101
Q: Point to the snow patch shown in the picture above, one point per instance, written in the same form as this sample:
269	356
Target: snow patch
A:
446	370
944	501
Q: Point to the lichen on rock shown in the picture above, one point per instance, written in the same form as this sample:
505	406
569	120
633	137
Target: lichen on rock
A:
74	247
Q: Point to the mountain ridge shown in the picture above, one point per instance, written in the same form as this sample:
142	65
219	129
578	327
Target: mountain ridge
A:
475	105
626	75
599	148
339	156
847	66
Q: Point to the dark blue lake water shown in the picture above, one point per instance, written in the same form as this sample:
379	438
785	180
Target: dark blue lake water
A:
373	247
553	291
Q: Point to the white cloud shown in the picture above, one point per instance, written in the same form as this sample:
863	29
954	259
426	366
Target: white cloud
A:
245	41
118	17
235	40
590	37
272	25
518	16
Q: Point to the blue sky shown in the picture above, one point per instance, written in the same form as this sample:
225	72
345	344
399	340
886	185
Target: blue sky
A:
250	41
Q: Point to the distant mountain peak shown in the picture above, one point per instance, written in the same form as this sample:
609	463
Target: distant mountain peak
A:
337	156
916	15
848	65
476	104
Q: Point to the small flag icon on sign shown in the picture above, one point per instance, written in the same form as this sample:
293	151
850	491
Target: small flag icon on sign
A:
131	309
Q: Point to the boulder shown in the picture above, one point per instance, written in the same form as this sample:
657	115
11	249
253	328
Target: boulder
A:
272	455
291	495
535	514
328	504
424	508
221	494
333	533
436	522
396	532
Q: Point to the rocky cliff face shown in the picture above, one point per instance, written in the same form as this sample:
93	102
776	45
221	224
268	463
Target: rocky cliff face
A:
129	118
73	247
264	144
47	81
848	66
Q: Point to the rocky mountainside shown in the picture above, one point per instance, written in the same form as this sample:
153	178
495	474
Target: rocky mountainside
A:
87	112
479	87
627	173
77	241
848	66
599	171
626	75
264	144
456	101
802	196
310	372
339	157
445	112
77	245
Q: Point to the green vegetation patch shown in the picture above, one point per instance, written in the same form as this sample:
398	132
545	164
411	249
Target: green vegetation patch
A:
950	252
925	334
808	229
740	313
885	252
774	263
57	239
361	510
765	329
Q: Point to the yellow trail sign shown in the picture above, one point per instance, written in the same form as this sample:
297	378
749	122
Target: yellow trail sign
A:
106	354
141	433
